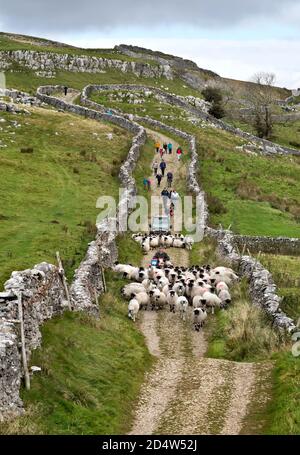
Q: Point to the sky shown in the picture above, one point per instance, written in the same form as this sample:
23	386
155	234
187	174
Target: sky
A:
235	38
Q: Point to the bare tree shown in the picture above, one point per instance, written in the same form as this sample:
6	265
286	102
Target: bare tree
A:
261	98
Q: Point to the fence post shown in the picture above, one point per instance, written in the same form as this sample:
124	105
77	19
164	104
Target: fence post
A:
24	357
64	280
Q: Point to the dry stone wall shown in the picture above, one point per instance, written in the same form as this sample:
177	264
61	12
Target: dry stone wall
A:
273	245
46	64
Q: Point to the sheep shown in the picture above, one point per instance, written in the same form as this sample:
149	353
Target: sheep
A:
225	274
183	306
172	299
188	242
142	298
160	300
179	288
198	301
154	242
221	286
200	315
225	297
212	300
178	243
132	288
133	309
146	245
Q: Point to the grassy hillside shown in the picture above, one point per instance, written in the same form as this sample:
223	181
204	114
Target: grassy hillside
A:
48	197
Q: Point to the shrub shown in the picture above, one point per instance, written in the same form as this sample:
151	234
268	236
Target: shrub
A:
217	110
26	150
215	205
212	94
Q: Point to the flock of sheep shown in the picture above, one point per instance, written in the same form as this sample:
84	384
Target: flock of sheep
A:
167	240
166	286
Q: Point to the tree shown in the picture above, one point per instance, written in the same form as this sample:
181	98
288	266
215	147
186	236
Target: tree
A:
261	98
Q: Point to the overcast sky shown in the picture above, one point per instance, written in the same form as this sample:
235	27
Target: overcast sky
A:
235	38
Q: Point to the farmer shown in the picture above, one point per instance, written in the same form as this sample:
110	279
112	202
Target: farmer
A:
161	254
163	167
169	179
158	178
157	146
155	167
170	148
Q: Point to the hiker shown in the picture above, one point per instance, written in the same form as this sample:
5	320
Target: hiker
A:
165	147
145	183
66	90
170	148
155	167
161	152
169	179
165	197
148	184
163	167
158	178
179	153
157	146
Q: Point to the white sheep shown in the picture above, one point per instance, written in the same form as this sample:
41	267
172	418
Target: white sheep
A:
133	309
183	306
225	297
212	300
132	288
200	315
172	299
143	299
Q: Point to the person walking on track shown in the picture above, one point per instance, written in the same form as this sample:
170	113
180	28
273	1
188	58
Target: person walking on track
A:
179	153
163	167
157	146
170	148
169	179
165	147
155	167
158	178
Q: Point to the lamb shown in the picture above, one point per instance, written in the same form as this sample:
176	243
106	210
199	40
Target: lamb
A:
212	300
179	288
200	315
183	306
172	299
133	309
225	297
146	245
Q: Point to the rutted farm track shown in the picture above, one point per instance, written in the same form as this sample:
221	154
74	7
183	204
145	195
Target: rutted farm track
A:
185	392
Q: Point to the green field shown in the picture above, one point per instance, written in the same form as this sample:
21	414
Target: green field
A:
48	197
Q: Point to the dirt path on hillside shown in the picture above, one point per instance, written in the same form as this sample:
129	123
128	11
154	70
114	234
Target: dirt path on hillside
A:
186	393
